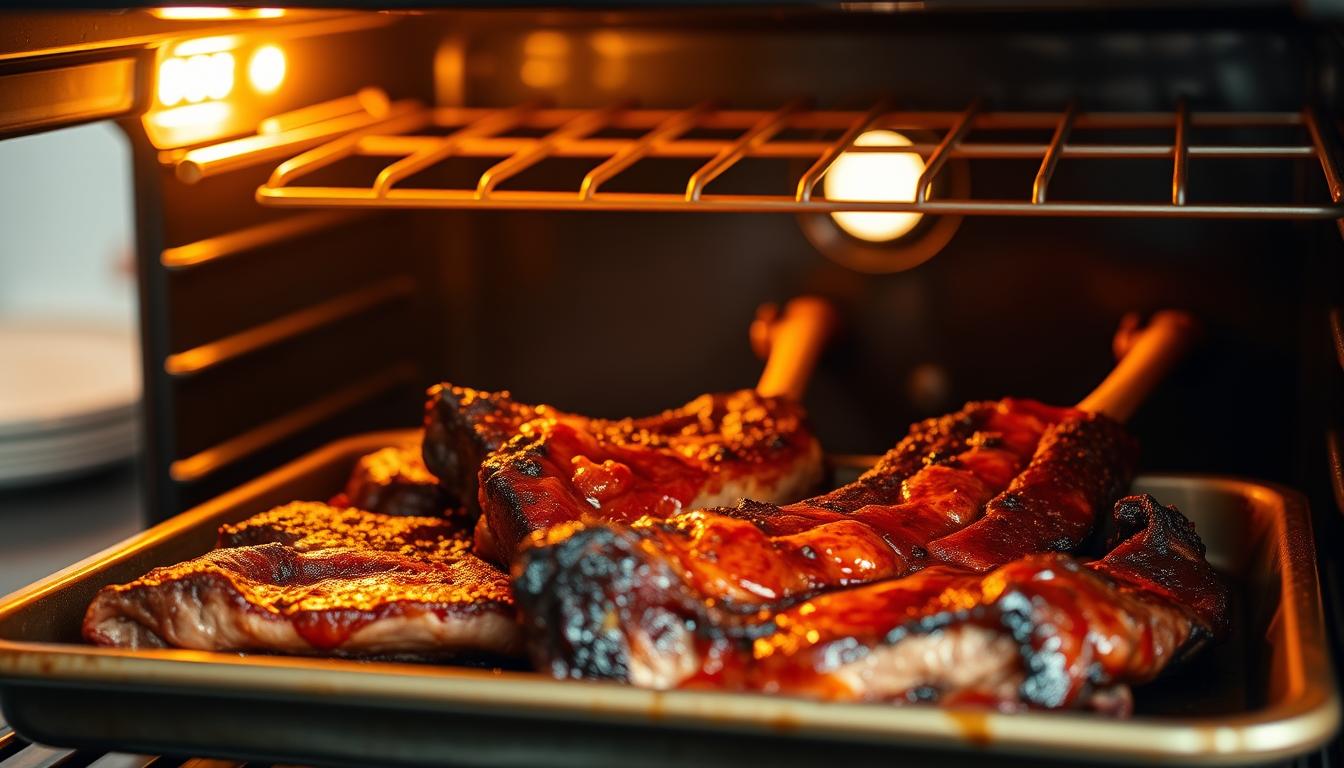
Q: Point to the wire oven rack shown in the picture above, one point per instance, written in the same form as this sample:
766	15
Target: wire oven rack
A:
413	138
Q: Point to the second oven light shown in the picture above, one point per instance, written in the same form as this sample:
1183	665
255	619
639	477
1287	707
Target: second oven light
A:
266	69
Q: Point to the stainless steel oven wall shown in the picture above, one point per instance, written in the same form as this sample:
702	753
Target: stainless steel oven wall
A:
268	332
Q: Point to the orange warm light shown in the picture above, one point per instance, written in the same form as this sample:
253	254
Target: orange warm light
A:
195	79
876	177
266	70
215	13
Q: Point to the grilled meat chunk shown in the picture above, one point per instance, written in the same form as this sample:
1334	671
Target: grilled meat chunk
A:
714	450
1047	630
462	427
882	526
528	466
394	481
308	526
586	589
343	602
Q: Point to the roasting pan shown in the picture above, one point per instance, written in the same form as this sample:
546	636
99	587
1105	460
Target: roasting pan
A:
1266	694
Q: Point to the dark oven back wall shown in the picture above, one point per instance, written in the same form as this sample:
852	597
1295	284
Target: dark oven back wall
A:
619	314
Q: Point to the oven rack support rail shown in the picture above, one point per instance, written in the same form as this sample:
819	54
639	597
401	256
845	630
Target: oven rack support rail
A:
412	138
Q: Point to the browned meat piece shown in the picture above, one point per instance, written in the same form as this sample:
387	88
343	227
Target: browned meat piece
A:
346	602
462	427
394	481
1047	630
714	450
598	582
308	526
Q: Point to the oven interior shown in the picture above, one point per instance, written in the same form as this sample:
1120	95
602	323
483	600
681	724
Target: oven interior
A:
271	330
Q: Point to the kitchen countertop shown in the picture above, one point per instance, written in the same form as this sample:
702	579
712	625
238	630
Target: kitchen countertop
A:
46	528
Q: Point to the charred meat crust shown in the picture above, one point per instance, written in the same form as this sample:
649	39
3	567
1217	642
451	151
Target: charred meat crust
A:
573	618
596	607
462	427
578	601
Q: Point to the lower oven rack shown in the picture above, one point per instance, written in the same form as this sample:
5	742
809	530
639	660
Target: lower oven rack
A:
1267	696
412	138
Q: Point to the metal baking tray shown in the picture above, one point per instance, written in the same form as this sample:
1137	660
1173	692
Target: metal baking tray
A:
1266	694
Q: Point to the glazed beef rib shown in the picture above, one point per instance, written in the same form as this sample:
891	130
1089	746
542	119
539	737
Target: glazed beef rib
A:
714	450
599	581
1046	630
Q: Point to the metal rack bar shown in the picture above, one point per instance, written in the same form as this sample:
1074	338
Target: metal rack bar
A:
1180	154
403	116
833	152
670	128
396	146
534	153
941	154
281	136
757	135
1052	153
494	122
197	359
577	133
741	119
251	238
1326	153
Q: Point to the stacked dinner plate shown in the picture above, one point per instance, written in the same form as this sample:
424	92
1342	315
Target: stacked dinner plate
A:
68	400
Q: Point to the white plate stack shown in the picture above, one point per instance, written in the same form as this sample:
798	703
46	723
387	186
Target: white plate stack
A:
69	400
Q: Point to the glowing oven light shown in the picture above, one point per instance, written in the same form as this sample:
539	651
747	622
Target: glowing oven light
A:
214	13
195	78
266	70
875	177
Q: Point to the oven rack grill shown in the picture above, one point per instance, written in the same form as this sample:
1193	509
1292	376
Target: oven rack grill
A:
412	138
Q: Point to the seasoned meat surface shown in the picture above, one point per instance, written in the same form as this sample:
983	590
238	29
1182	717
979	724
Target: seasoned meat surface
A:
714	450
884	525
275	598
1046	630
526	467
307	526
724	571
394	481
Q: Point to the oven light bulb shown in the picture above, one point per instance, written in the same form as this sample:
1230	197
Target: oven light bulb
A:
875	177
266	70
172	81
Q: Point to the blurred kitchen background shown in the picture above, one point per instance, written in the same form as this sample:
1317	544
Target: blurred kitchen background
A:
69	377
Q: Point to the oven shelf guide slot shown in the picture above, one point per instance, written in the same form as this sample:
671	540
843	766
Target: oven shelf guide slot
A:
412	138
